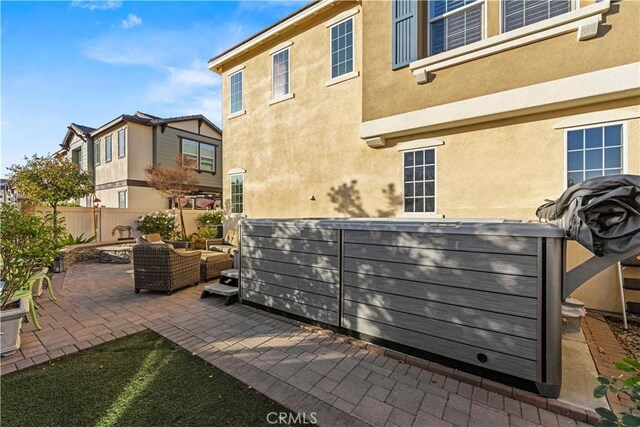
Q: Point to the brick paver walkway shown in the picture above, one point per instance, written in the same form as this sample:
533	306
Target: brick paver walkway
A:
306	372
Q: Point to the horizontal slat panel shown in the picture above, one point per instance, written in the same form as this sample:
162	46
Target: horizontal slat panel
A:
507	304
308	246
471	243
492	263
290	232
299	258
297	296
322	288
466	353
306	272
488	340
503	283
319	314
471	317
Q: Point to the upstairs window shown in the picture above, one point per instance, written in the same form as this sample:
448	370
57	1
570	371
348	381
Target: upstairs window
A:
342	48
280	74
235	95
122	199
520	13
200	155
121	143
454	23
96	153
108	149
593	152
190	152
420	181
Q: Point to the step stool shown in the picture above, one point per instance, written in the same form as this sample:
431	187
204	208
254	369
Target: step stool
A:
628	284
230	277
229	292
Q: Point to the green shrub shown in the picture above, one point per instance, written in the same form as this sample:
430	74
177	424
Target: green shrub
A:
27	243
209	218
163	223
617	386
69	240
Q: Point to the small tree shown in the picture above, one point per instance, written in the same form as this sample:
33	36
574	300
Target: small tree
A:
174	182
51	180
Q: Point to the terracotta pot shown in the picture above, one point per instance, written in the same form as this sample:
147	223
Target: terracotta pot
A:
10	324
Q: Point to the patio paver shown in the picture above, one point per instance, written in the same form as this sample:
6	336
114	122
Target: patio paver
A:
343	383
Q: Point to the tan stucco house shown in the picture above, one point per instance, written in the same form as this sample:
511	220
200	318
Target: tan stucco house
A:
118	152
406	108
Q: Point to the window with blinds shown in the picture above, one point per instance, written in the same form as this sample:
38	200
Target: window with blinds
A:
454	23
520	13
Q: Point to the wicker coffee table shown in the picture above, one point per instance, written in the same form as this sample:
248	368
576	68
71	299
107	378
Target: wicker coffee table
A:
115	254
213	263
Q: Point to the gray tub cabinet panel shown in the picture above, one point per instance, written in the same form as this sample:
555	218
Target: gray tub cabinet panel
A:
483	293
297	296
313	313
499	362
303	271
492	263
472	317
473	298
298	258
291	232
306	246
307	285
481	338
498	283
458	242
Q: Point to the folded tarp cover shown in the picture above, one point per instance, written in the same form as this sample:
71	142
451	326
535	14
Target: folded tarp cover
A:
602	214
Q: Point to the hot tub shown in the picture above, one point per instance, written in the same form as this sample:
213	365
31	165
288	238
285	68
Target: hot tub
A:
486	294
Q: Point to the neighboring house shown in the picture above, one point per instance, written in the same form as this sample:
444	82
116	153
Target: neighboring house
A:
8	193
457	109
118	152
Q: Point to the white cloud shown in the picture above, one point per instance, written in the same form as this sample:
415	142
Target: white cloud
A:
131	21
96	4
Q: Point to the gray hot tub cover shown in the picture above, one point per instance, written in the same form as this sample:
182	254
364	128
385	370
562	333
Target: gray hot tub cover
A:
602	214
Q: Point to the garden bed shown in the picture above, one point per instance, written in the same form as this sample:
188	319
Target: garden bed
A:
629	339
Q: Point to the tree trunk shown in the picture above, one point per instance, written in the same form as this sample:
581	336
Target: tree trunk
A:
55	221
183	229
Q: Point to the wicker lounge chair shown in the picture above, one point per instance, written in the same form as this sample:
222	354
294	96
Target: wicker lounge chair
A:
228	244
214	263
159	267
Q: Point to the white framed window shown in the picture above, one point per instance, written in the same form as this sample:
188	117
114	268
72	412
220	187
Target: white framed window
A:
342	58
280	74
419	168
199	154
237	193
594	151
207	157
520	13
190	152
454	23
122	143
122	199
96	153
235	91
108	149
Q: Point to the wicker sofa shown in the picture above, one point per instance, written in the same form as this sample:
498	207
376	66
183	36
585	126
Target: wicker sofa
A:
159	267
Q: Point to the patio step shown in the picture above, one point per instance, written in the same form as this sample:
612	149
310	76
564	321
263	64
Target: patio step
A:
229	292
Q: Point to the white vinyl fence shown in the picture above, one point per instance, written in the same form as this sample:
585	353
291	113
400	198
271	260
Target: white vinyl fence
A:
101	221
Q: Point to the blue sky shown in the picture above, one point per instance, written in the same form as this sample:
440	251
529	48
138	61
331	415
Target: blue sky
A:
89	61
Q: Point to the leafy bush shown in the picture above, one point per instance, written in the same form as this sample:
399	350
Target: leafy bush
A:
211	232
617	386
163	223
209	218
27	243
70	240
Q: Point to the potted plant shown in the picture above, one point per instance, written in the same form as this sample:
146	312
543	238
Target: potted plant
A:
163	223
210	224
27	244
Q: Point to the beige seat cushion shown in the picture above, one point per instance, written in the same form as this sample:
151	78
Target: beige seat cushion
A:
214	256
152	238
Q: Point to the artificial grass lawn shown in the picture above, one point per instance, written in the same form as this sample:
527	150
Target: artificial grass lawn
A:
139	380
